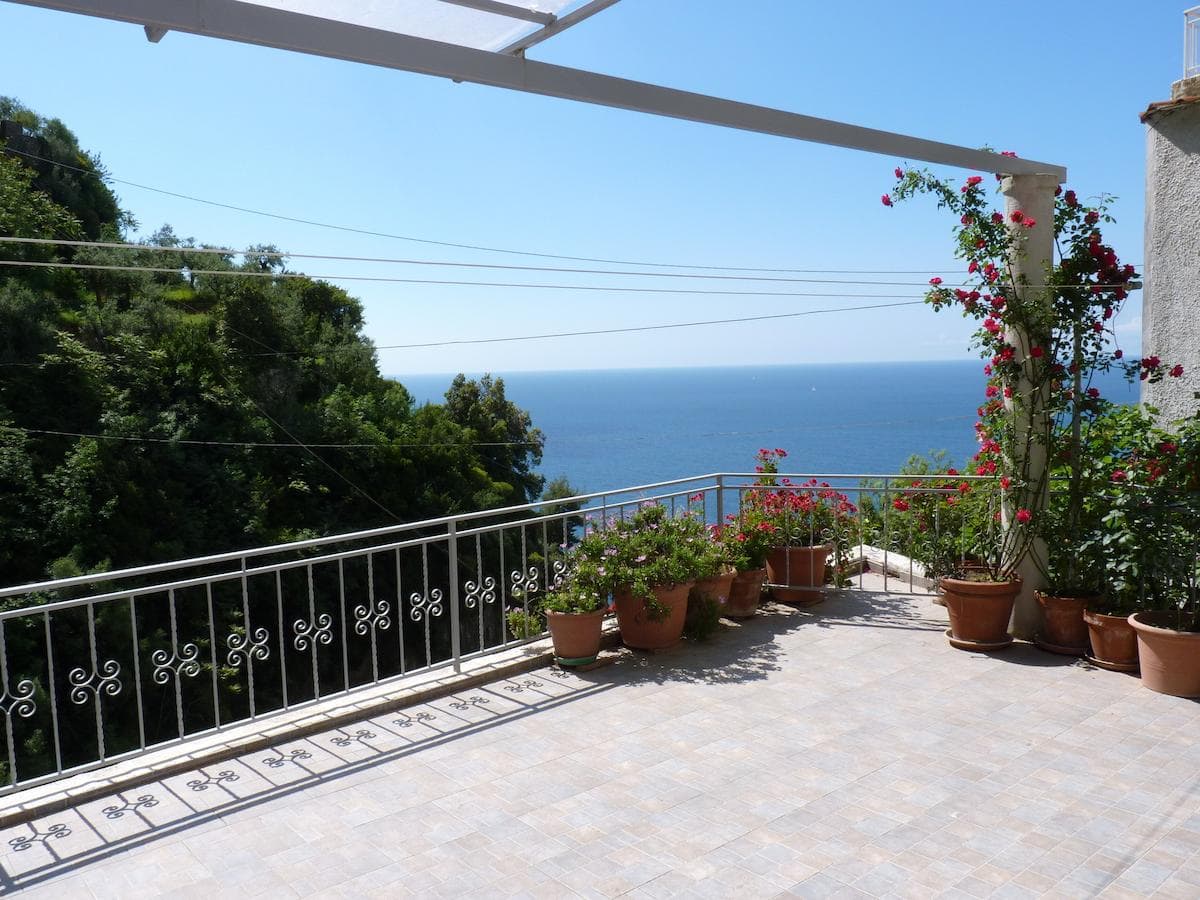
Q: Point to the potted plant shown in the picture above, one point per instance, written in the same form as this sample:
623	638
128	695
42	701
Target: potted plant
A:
714	573
811	521
1042	343
575	616
647	562
1154	523
747	539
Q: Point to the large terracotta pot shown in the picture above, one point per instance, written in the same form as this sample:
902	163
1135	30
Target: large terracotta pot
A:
979	612
639	631
1114	642
1170	659
800	571
1063	628
744	593
576	636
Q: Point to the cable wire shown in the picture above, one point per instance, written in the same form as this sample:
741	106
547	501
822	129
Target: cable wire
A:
459	246
217	251
608	289
390	445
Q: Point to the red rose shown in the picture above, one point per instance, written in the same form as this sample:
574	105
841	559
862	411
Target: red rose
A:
899	172
1176	372
1036	352
886	200
1016	215
900	505
1024	515
974	180
935	281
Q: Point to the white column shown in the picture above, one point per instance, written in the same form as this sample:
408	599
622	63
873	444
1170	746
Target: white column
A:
1032	257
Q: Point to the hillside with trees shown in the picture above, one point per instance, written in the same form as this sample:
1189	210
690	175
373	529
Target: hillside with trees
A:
155	414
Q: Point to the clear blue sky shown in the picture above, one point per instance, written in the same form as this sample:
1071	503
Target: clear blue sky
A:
378	149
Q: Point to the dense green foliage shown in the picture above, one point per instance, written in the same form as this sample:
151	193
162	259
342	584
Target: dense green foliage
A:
180	356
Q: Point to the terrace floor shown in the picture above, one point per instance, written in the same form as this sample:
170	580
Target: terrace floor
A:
845	750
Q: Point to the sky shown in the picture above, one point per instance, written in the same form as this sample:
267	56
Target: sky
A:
422	157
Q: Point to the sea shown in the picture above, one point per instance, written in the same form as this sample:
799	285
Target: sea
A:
615	428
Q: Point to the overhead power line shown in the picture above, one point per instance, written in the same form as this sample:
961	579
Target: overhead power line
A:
390	445
281	254
566	334
636	328
216	251
448	282
456	245
609	289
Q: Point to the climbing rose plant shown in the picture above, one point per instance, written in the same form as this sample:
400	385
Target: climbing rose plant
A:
1042	345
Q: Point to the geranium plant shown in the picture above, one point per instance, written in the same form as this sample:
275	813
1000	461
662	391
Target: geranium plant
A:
1043	344
804	514
644	551
1151	516
748	537
941	519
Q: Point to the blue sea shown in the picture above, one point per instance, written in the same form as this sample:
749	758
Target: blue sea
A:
622	427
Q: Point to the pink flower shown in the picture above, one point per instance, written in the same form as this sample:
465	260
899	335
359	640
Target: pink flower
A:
973	267
974	180
886	200
1005	481
935	281
1029	223
1118	475
1024	515
1176	372
1017	216
899	172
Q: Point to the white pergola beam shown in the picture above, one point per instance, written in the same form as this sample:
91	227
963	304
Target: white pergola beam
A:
505	9
268	27
584	12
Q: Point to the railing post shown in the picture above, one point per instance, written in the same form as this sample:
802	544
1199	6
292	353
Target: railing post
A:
720	500
452	554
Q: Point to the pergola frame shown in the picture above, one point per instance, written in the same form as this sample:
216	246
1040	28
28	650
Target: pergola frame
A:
1029	184
284	30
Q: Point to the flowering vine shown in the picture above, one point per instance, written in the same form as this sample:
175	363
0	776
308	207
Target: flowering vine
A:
1042	345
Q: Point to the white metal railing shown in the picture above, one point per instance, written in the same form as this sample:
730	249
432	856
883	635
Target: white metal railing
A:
100	668
1191	42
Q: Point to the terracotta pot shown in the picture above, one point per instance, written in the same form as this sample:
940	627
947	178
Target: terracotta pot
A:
637	628
1114	642
979	612
1063	628
1170	659
800	571
576	636
745	593
716	587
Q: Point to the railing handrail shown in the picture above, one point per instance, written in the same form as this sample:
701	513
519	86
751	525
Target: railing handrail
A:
233	555
443	521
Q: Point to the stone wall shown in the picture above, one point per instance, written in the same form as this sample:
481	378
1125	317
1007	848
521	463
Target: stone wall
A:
1171	300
